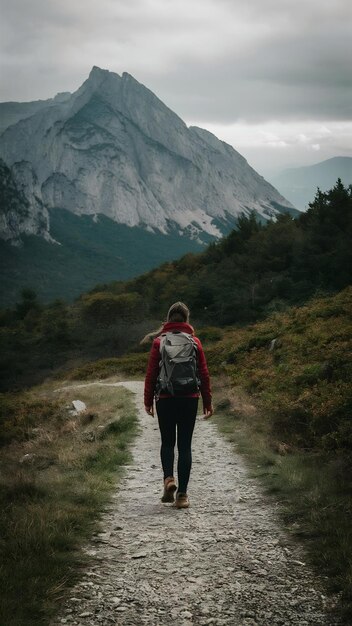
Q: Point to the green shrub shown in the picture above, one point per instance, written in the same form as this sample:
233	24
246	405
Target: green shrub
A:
104	307
210	333
304	383
131	364
102	368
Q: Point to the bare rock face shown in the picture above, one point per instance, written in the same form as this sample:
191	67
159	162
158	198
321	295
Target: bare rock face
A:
114	148
21	208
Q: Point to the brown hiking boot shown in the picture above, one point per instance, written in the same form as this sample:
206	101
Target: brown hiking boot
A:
169	489
182	501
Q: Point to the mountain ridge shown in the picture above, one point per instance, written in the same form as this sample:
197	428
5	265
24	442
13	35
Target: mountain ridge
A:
300	184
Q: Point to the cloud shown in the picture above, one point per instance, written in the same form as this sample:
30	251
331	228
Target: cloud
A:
223	63
220	59
274	145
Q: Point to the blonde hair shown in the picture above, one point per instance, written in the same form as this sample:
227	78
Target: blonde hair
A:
178	312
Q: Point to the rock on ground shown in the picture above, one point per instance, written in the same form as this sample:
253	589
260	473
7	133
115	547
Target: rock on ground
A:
223	561
79	406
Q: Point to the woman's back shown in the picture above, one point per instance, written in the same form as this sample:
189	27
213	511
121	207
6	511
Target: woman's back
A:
176	405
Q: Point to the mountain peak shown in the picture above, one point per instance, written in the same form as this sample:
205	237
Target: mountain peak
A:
97	71
114	148
97	76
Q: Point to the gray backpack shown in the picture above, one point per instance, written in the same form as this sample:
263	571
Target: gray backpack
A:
178	374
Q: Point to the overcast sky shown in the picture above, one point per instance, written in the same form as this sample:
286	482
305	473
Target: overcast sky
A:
271	77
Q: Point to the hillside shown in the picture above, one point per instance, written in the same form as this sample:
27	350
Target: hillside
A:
258	269
297	364
90	250
283	397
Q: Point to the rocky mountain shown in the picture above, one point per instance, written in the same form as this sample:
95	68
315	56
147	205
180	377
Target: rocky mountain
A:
300	184
13	112
119	181
21	209
113	148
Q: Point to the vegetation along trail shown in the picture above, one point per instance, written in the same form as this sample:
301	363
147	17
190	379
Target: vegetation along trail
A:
225	560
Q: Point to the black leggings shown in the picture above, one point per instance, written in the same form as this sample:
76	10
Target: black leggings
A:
180	413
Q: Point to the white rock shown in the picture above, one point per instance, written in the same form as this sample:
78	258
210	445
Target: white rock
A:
28	458
79	406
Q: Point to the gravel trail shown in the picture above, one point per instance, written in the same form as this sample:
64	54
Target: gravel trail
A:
223	561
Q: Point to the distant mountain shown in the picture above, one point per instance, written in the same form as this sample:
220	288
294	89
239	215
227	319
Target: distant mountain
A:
112	149
300	184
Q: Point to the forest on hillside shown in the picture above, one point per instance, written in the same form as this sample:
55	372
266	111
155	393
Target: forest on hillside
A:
257	268
254	271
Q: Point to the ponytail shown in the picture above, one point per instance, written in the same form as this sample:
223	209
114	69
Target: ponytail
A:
150	336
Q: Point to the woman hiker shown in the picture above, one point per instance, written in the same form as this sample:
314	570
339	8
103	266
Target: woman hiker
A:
176	394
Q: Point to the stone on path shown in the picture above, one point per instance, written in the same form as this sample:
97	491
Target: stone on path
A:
224	561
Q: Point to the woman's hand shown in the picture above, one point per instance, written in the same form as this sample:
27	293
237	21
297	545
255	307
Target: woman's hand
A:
150	410
208	412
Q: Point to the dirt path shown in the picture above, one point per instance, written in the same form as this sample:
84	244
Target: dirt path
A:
223	561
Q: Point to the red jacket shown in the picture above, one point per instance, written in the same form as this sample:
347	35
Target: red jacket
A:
154	360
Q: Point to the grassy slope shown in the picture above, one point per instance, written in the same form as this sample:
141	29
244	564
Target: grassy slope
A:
51	501
304	382
289	411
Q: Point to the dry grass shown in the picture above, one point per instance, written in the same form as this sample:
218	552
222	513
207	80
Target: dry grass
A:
55	482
